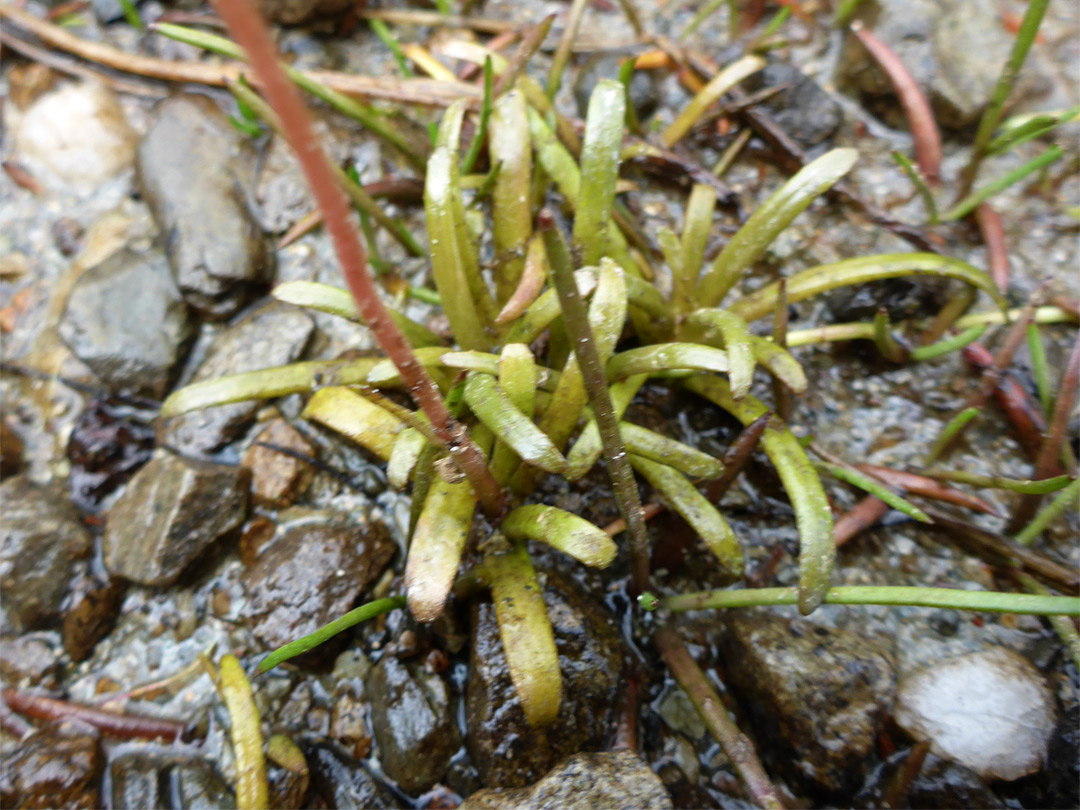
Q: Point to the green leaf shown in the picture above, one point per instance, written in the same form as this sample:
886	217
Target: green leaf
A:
588	447
779	362
336	301
699	216
545	309
346	412
666	357
517	377
984	193
670	452
751	240
725	329
493	407
709	94
404	456
696	510
561	530
599	171
862	270
527	636
812	514
509	144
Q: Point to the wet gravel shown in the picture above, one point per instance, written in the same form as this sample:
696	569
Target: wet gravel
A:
130	546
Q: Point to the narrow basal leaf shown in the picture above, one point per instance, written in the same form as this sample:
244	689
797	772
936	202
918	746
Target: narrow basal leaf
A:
558	528
511	217
774	216
527	636
599	170
719	327
670	452
353	416
252	787
696	510
267	383
545	309
666	357
779	363
517	377
336	301
490	404
812	514
404	456
588	447
720	84
488	363
862	270
695	236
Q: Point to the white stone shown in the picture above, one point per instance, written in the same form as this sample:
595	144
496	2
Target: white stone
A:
989	711
75	138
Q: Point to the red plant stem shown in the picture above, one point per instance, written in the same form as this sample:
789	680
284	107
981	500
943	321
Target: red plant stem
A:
896	792
737	455
124	726
626	732
924	128
926	487
247	28
993	234
1021	411
859	518
736	745
1046	463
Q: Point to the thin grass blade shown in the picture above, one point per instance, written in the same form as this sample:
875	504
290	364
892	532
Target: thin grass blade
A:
710	93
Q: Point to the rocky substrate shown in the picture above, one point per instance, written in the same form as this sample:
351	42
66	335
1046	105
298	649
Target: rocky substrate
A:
130	545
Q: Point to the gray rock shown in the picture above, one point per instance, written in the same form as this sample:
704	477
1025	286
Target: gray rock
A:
803	109
311	575
170	512
945	784
54	767
41	540
291	12
271	336
505	749
141	780
934	41
125	318
583	782
410	714
196	173
344	782
814	694
31	660
990	712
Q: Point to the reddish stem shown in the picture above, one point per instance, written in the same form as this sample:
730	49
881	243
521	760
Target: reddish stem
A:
737	455
993	234
124	726
1027	420
926	487
924	128
247	28
859	518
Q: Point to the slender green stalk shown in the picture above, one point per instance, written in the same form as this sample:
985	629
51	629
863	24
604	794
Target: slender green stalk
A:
947	345
845	10
327	631
592	370
485	113
991	117
626	76
997	317
706	11
955	425
390	40
1039	369
131	14
984	193
877	489
1035	127
517	377
1066	499
830	334
988	601
1044	486
737	746
562	52
600	152
917	180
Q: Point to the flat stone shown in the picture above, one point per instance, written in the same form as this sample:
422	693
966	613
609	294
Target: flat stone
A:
273	335
583	782
41	540
125	318
75	137
196	171
170	512
802	109
815	695
989	711
312	575
504	748
54	767
277	480
413	724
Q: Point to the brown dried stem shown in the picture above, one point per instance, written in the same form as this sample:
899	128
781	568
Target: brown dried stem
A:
111	724
249	31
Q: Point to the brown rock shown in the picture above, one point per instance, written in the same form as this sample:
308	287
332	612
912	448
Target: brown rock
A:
90	609
11	448
54	769
292	12
311	575
583	782
814	695
277	480
171	511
